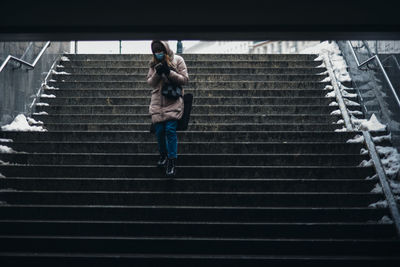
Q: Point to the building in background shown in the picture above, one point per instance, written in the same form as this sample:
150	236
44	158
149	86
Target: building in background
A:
216	47
280	47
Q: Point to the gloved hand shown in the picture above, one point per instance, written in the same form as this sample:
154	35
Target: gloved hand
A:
166	68
159	68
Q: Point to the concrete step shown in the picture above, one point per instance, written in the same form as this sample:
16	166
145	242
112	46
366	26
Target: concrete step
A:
193	136
196	109
194	127
188	185
114	101
189	245
194	118
272	84
191	57
187	159
200	63
129	259
194	171
143	70
312	214
188	147
193	77
227	93
196	229
220	199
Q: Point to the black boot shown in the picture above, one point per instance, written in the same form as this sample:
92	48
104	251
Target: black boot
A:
171	169
162	162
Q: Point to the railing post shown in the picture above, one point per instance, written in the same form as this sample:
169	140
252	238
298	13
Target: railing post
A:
120	46
76	47
179	47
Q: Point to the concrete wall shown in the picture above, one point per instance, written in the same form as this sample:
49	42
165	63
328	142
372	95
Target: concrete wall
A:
19	84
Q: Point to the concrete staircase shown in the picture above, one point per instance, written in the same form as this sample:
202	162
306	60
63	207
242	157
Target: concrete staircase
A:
262	176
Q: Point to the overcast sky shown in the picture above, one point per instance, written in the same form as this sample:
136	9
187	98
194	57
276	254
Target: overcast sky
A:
128	47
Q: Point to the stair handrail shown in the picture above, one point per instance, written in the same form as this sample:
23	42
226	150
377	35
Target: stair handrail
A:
376	57
30	65
378	166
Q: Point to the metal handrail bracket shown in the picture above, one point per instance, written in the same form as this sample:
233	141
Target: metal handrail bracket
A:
10	57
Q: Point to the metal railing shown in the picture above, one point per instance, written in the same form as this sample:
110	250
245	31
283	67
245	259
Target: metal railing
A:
30	65
392	205
376	57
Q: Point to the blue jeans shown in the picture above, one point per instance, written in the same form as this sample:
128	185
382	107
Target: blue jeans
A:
167	138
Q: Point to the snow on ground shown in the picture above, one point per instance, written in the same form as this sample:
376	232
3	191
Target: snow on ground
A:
64	58
33	121
50	87
20	123
379	204
41	113
48	96
42	104
331	50
6	140
60	73
357	139
6	149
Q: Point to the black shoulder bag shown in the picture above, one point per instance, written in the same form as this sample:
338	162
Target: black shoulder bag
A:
175	91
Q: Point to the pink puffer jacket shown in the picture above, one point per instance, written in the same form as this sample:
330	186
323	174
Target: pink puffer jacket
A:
162	108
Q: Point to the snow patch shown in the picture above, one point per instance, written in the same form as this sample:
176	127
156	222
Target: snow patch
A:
331	94
333	103
47	96
33	121
343	129
331	50
41	113
6	140
373	177
377	189
357	139
347	94
382	138
64	58
350	103
20	123
336	112
2	176
42	104
60	66
363	151
366	163
50	87
327	79
355	112
385	220
379	204
328	87
390	160
60	73
6	149
368	125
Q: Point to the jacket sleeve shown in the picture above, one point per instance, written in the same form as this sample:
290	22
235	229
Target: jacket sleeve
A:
180	76
153	78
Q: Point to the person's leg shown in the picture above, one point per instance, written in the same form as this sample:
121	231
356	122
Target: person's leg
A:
172	146
172	139
160	133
